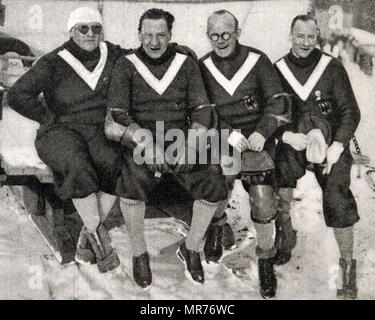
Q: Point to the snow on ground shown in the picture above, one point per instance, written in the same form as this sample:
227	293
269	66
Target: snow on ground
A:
29	270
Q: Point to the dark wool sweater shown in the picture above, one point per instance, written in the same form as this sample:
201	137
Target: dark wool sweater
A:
333	86
141	103
261	82
66	94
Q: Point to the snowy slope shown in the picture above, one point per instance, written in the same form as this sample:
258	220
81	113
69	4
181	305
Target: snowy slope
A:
30	271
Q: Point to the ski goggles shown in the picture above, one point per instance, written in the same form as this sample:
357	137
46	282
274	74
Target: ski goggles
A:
84	29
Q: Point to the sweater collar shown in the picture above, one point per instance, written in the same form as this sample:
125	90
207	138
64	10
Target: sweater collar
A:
80	54
311	59
168	54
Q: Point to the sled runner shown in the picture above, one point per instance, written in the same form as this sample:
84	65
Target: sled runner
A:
362	160
32	183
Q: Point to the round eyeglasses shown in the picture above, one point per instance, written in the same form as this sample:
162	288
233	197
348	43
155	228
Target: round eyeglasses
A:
225	36
84	29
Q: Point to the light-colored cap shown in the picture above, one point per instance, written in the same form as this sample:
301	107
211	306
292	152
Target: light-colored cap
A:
84	15
316	150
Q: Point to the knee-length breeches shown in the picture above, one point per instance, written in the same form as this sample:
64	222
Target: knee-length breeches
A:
204	182
339	206
83	161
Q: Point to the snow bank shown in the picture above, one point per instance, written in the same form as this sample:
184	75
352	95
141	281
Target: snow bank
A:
17	140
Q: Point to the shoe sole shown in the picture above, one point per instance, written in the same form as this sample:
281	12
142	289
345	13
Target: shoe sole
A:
267	297
144	288
232	247
344	295
83	262
264	296
187	273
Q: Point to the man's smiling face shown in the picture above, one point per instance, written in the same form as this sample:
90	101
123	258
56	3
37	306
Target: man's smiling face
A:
222	25
154	37
304	37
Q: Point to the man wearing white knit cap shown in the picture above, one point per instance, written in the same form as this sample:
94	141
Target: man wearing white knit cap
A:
84	15
87	168
85	25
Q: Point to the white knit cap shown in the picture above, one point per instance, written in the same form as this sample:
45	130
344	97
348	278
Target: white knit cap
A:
84	15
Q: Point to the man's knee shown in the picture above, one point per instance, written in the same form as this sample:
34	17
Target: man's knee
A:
213	192
263	203
210	186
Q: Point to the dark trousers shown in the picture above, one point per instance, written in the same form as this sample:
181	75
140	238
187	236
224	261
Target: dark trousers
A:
204	182
339	206
82	159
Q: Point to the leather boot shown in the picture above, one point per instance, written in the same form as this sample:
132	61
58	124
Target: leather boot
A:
285	241
229	239
84	253
267	278
141	271
192	261
348	289
213	247
106	256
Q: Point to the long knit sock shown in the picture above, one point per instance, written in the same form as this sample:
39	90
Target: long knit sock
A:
88	210
133	212
344	238
285	199
265	248
220	217
203	211
106	202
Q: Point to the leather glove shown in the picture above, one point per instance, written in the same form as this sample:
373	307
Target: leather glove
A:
181	162
298	141
183	165
333	155
256	141
155	160
113	130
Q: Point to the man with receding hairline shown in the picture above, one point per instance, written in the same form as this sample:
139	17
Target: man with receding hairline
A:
242	83
323	100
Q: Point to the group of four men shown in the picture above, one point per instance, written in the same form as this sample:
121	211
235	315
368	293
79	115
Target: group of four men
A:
99	97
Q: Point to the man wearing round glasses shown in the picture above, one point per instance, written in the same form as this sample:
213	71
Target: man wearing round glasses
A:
242	82
74	79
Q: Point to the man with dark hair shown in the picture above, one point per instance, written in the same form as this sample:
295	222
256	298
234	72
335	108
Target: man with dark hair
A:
157	84
242	83
323	99
157	14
